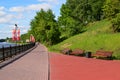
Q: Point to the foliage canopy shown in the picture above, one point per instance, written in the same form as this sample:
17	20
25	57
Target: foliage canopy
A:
77	13
44	27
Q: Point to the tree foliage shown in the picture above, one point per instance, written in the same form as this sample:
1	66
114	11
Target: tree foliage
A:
25	36
111	8
44	27
116	23
2	40
96	6
77	13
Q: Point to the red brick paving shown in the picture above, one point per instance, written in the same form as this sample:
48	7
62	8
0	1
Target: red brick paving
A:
63	67
33	66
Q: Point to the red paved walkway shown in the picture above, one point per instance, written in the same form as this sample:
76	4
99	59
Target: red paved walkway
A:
33	66
63	67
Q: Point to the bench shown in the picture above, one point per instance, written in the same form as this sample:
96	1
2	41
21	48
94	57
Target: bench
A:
66	51
103	54
78	52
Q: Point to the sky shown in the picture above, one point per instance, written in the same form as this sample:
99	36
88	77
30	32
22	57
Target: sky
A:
21	12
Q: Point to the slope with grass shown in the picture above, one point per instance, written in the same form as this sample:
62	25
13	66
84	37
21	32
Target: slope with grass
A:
98	35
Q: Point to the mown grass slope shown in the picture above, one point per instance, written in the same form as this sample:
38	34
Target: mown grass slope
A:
98	35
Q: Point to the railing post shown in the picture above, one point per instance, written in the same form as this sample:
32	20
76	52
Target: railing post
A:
25	47
19	48
3	53
10	51
22	47
15	49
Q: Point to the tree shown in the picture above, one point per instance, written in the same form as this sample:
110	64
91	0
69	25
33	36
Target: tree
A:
25	36
70	25
75	14
96	6
2	40
44	27
116	23
111	8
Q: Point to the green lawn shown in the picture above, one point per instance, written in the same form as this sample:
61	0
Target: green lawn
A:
98	36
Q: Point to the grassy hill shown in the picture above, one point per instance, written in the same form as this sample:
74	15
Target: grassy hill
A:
98	35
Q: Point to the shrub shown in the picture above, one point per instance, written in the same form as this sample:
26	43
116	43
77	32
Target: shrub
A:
116	23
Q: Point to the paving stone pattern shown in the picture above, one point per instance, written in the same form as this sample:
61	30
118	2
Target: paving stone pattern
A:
33	66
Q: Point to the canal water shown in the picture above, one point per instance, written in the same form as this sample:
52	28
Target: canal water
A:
6	44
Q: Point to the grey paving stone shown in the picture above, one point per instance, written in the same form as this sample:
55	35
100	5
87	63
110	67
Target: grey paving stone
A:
33	66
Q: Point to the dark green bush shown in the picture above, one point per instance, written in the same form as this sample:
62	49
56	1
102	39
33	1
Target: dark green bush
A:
116	23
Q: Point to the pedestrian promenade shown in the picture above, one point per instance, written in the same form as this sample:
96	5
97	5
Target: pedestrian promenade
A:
64	67
33	66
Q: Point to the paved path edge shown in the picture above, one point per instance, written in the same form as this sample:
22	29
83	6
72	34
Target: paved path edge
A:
48	61
5	63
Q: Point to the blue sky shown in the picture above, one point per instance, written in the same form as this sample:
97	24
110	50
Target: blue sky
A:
21	12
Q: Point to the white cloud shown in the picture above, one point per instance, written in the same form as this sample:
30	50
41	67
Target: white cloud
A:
24	31
44	6
19	16
6	18
2	8
2	13
5	32
21	11
17	9
31	7
10	18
